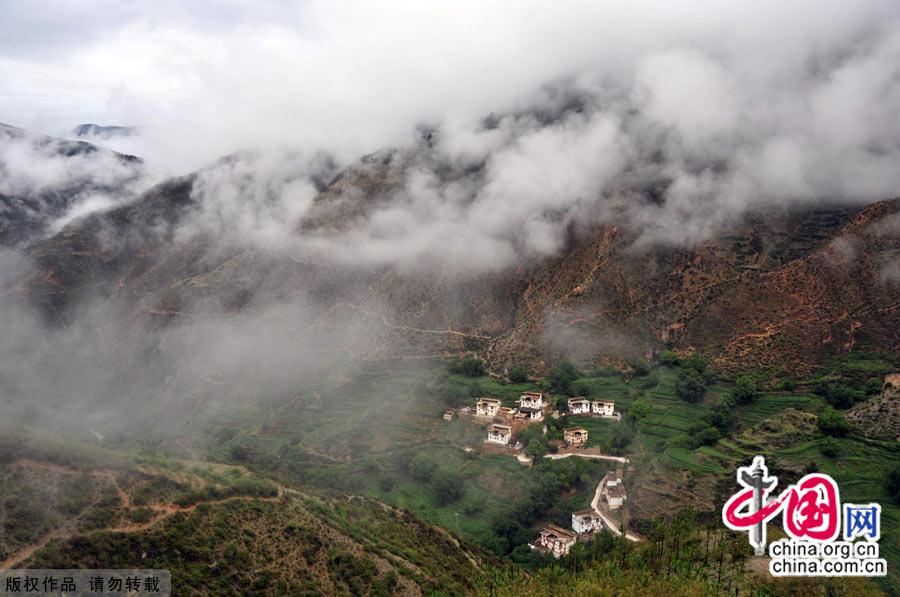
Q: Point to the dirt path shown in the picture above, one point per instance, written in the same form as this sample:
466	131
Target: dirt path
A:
621	459
161	512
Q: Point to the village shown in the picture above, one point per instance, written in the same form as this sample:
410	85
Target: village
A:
504	424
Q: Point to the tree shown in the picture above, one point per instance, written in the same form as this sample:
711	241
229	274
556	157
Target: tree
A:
668	358
640	366
638	410
833	423
562	376
422	466
448	485
518	374
892	484
581	389
744	389
690	386
721	415
622	437
469	366
830	447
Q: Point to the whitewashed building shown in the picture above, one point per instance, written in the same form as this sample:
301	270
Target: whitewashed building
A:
586	521
487	407
578	406
499	434
614	490
604	408
532	400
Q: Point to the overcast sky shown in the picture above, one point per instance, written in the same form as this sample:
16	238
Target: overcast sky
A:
207	78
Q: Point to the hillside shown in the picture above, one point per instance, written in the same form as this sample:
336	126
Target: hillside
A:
217	528
784	287
42	178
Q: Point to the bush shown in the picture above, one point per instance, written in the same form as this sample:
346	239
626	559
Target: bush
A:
873	386
448	485
707	437
622	437
789	384
422	466
830	447
744	389
892	484
562	376
690	386
581	389
518	374
668	358
469	366
721	415
832	422
640	366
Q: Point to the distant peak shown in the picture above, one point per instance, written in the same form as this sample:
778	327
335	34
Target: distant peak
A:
103	131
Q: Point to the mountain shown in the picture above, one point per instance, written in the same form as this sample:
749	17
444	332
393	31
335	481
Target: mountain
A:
43	178
782	291
103	131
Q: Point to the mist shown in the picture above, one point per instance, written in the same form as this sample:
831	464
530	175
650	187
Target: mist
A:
348	143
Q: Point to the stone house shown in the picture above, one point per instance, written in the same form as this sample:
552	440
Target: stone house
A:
487	407
604	408
555	540
586	521
578	406
499	434
575	436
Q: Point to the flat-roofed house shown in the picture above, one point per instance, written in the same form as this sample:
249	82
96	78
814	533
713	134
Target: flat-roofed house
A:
586	521
506	413
578	406
604	408
575	436
448	414
614	490
532	400
555	540
487	407
499	434
532	414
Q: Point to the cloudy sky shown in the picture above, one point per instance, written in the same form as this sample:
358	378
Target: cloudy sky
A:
207	78
733	106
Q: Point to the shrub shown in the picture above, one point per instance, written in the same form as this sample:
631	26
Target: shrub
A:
721	415
873	386
830	447
469	366
581	389
668	358
448	486
562	376
640	366
892	483
832	422
744	389
518	374
690	386
422	466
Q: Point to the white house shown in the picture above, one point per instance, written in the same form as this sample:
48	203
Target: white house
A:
555	540
487	407
532	414
614	490
604	408
531	400
586	521
579	406
499	434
